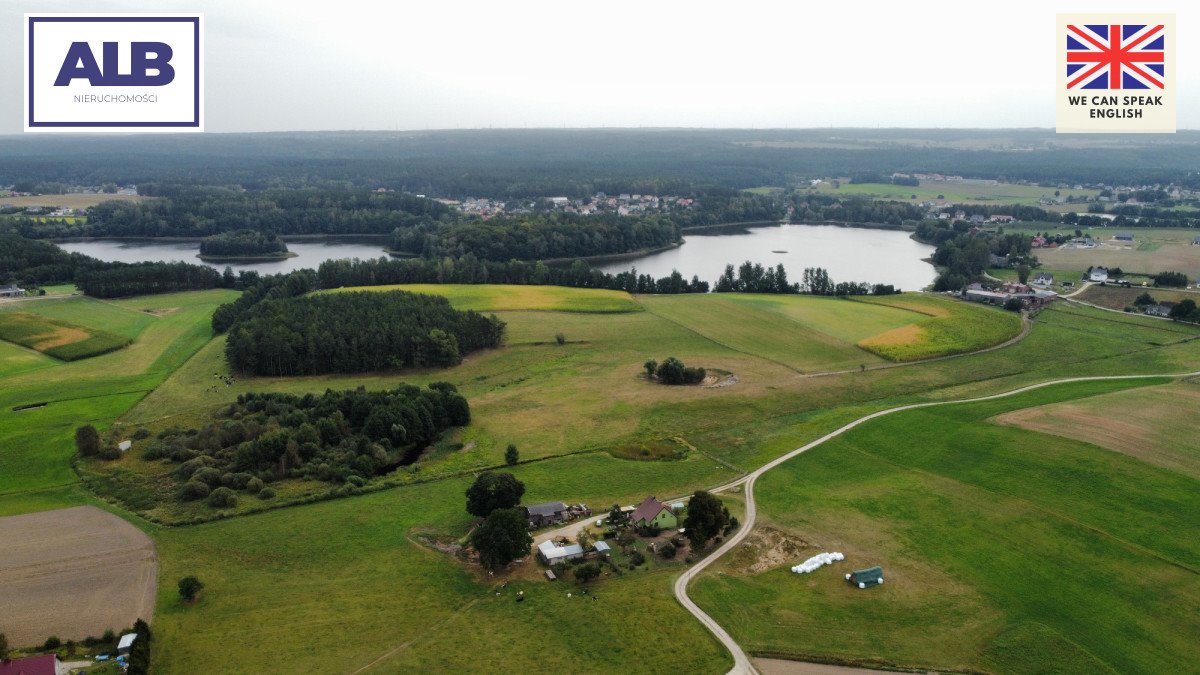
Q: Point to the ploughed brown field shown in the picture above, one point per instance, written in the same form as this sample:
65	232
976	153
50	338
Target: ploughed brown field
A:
73	573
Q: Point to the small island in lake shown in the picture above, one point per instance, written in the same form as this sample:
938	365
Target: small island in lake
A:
242	245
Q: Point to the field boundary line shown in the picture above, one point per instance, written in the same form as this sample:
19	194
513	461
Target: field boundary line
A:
742	664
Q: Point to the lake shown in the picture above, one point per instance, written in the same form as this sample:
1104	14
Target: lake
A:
847	253
310	253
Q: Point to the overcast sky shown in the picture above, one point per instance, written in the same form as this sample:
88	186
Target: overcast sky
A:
349	64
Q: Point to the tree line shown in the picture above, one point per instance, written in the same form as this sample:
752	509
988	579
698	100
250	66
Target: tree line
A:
754	278
337	437
355	332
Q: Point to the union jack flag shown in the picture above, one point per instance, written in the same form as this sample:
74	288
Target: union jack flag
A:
1116	56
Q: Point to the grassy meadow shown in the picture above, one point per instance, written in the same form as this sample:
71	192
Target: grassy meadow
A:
352	584
499	298
1003	550
1001	193
59	339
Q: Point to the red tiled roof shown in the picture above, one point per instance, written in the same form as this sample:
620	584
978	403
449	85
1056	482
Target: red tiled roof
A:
647	510
33	665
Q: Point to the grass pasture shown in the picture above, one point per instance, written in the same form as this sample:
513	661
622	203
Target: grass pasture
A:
59	339
1002	193
1004	550
502	298
1116	297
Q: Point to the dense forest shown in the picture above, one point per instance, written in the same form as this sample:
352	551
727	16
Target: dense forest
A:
243	244
355	332
337	437
470	270
539	237
579	162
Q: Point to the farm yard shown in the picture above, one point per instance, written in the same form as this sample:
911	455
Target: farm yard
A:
1152	250
347	569
73	573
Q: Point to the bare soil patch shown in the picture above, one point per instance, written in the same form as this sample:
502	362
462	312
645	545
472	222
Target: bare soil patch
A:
73	573
767	548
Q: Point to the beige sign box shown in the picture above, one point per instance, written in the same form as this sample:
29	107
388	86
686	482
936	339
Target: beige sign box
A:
1116	55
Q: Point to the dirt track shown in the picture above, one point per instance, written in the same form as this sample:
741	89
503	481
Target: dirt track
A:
73	573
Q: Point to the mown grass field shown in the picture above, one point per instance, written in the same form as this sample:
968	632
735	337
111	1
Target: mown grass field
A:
1146	423
1003	549
500	298
59	339
1002	193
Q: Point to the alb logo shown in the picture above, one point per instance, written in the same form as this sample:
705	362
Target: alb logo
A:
144	58
114	72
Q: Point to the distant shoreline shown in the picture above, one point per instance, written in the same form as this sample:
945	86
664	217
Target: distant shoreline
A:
273	257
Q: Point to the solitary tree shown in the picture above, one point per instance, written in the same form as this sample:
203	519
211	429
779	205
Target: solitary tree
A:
3	647
189	586
502	538
650	365
616	517
1023	273
706	518
492	491
511	456
560	338
87	440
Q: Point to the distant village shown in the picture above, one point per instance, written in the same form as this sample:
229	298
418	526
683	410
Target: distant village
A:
624	204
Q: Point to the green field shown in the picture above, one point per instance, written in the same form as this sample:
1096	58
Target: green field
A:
499	298
342	584
1002	550
1002	193
37	442
59	339
951	328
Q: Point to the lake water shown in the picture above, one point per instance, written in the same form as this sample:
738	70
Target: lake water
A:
310	253
847	253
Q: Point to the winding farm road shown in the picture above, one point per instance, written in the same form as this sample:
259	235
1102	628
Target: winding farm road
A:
742	664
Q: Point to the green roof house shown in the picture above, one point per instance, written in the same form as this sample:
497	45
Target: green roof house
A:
653	513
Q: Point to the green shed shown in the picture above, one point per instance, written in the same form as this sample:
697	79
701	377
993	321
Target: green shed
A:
872	576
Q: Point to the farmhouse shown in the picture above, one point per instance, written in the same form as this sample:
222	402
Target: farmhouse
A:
550	553
46	664
1159	310
1196	241
1098	274
11	291
653	513
1043	279
1001	218
550	513
1123	236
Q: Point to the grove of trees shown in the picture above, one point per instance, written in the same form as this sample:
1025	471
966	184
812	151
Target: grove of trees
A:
242	244
355	332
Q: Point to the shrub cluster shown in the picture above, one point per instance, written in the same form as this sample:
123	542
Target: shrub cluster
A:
341	437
